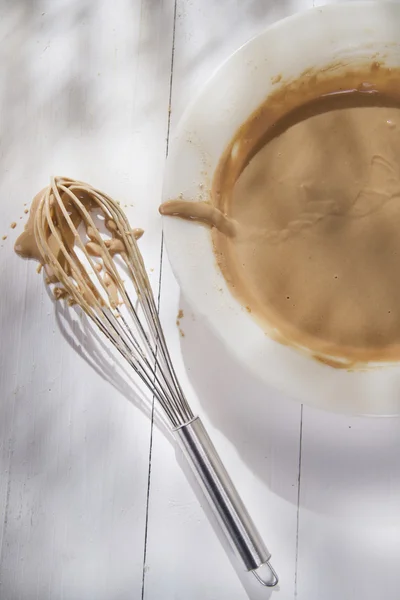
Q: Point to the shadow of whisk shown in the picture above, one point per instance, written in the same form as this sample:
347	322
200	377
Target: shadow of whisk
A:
82	335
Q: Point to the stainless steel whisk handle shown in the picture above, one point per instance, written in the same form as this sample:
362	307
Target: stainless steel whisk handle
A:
223	498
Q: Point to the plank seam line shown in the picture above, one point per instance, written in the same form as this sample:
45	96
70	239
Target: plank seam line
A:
146	527
298	502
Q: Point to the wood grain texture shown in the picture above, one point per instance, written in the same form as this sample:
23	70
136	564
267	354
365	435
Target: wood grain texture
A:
84	93
349	521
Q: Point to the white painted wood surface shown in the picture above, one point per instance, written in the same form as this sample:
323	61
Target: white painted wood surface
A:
93	503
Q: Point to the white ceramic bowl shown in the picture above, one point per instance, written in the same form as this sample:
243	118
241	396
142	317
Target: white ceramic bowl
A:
347	32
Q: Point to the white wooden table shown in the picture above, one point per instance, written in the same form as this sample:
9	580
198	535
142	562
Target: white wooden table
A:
93	504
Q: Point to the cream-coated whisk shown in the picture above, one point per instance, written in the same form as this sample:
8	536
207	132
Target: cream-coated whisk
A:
88	266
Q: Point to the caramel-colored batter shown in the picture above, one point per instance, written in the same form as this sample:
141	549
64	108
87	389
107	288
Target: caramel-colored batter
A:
311	187
51	237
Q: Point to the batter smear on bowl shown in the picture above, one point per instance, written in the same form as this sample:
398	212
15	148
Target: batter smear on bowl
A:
308	193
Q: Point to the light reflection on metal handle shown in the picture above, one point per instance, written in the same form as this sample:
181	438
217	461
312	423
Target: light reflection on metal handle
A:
223	498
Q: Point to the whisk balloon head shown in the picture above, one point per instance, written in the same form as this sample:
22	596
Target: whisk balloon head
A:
92	257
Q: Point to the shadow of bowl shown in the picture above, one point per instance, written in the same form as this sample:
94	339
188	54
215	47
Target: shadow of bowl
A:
346	465
261	423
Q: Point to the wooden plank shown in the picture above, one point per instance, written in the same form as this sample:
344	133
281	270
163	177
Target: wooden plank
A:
256	432
349	522
254	428
85	92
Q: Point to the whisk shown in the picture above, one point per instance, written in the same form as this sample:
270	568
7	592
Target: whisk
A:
87	266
